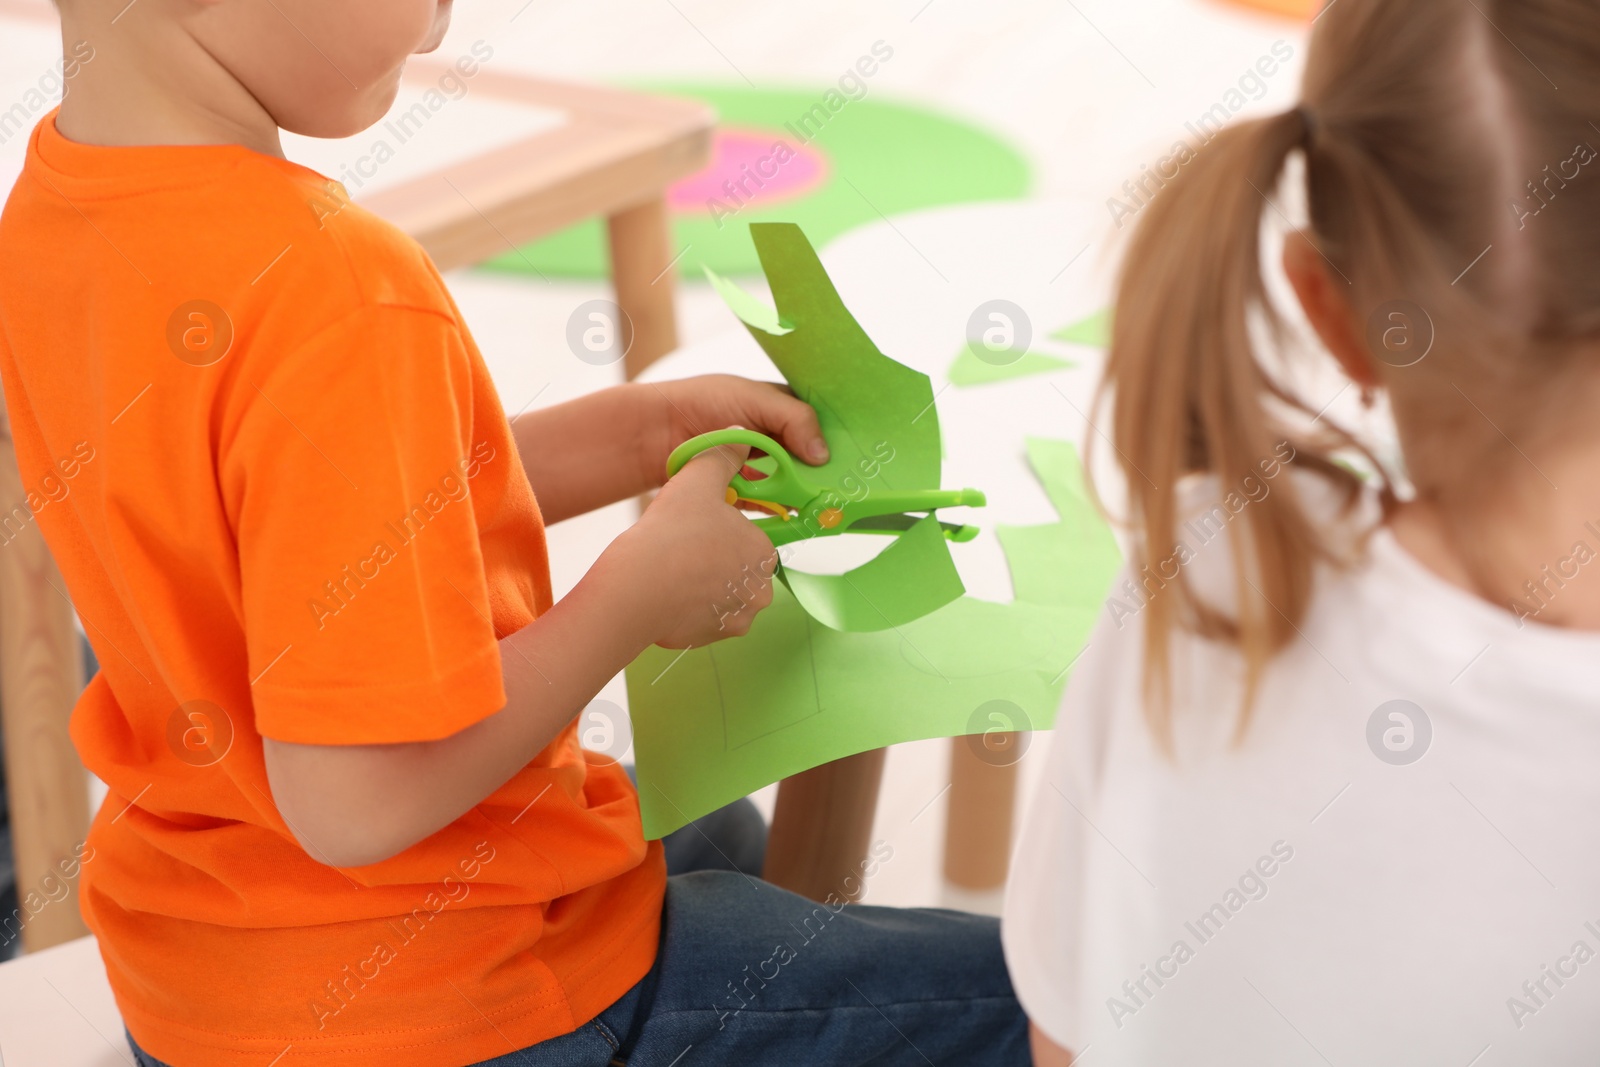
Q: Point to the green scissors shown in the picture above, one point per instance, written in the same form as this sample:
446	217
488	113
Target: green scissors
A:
800	509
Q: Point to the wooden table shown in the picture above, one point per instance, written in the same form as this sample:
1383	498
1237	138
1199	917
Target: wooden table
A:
614	156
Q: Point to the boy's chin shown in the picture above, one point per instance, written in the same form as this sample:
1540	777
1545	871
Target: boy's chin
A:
347	118
441	26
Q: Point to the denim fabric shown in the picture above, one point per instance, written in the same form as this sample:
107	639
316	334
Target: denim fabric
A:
751	975
733	838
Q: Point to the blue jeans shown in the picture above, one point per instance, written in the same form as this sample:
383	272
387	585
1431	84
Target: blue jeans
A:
751	975
733	838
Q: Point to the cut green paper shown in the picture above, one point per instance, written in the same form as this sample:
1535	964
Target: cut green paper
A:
717	723
752	312
880	423
912	577
1092	332
1060	471
970	368
869	406
1065	562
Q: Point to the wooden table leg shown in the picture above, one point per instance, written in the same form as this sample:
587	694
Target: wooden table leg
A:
983	788
643	274
41	675
822	827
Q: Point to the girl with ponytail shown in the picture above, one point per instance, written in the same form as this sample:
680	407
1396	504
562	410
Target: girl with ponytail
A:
1324	790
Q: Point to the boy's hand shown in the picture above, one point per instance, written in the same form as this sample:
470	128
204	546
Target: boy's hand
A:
701	568
613	444
694	406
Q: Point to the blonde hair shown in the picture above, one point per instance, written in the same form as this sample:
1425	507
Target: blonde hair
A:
1421	121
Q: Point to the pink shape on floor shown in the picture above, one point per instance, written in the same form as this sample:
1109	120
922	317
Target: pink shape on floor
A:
750	161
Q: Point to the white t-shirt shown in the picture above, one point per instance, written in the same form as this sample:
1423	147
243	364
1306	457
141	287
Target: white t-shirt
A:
1310	897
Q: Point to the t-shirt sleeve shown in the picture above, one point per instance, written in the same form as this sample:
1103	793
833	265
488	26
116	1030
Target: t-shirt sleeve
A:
347	474
1048	891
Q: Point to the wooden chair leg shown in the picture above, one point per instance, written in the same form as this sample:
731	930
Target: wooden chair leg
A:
643	274
977	834
822	827
41	675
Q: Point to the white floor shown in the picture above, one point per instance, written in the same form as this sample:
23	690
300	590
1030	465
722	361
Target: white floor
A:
1089	90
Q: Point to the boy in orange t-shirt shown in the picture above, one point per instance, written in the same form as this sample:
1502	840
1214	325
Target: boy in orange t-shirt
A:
349	821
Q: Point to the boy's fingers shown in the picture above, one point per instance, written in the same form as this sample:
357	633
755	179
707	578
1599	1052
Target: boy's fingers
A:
795	423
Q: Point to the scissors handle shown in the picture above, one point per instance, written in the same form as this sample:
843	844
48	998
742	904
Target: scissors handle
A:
818	511
783	483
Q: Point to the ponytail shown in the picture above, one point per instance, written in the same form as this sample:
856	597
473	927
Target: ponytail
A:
1440	171
1188	395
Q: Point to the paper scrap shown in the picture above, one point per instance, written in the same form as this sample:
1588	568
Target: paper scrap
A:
970	368
1093	331
1067	562
752	312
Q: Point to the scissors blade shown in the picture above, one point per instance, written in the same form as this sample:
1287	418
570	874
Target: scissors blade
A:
897	523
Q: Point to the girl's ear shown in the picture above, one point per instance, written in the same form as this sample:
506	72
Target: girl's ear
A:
1326	302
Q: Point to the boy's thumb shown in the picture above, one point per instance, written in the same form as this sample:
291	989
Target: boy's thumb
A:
712	470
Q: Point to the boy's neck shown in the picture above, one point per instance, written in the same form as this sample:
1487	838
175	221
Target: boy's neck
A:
122	98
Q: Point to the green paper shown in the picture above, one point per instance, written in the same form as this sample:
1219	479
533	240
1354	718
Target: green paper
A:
1060	471
880	423
971	369
883	158
752	312
1093	331
1064	562
717	723
876	415
912	577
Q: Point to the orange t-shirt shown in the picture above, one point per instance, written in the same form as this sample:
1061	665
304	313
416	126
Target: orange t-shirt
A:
273	469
